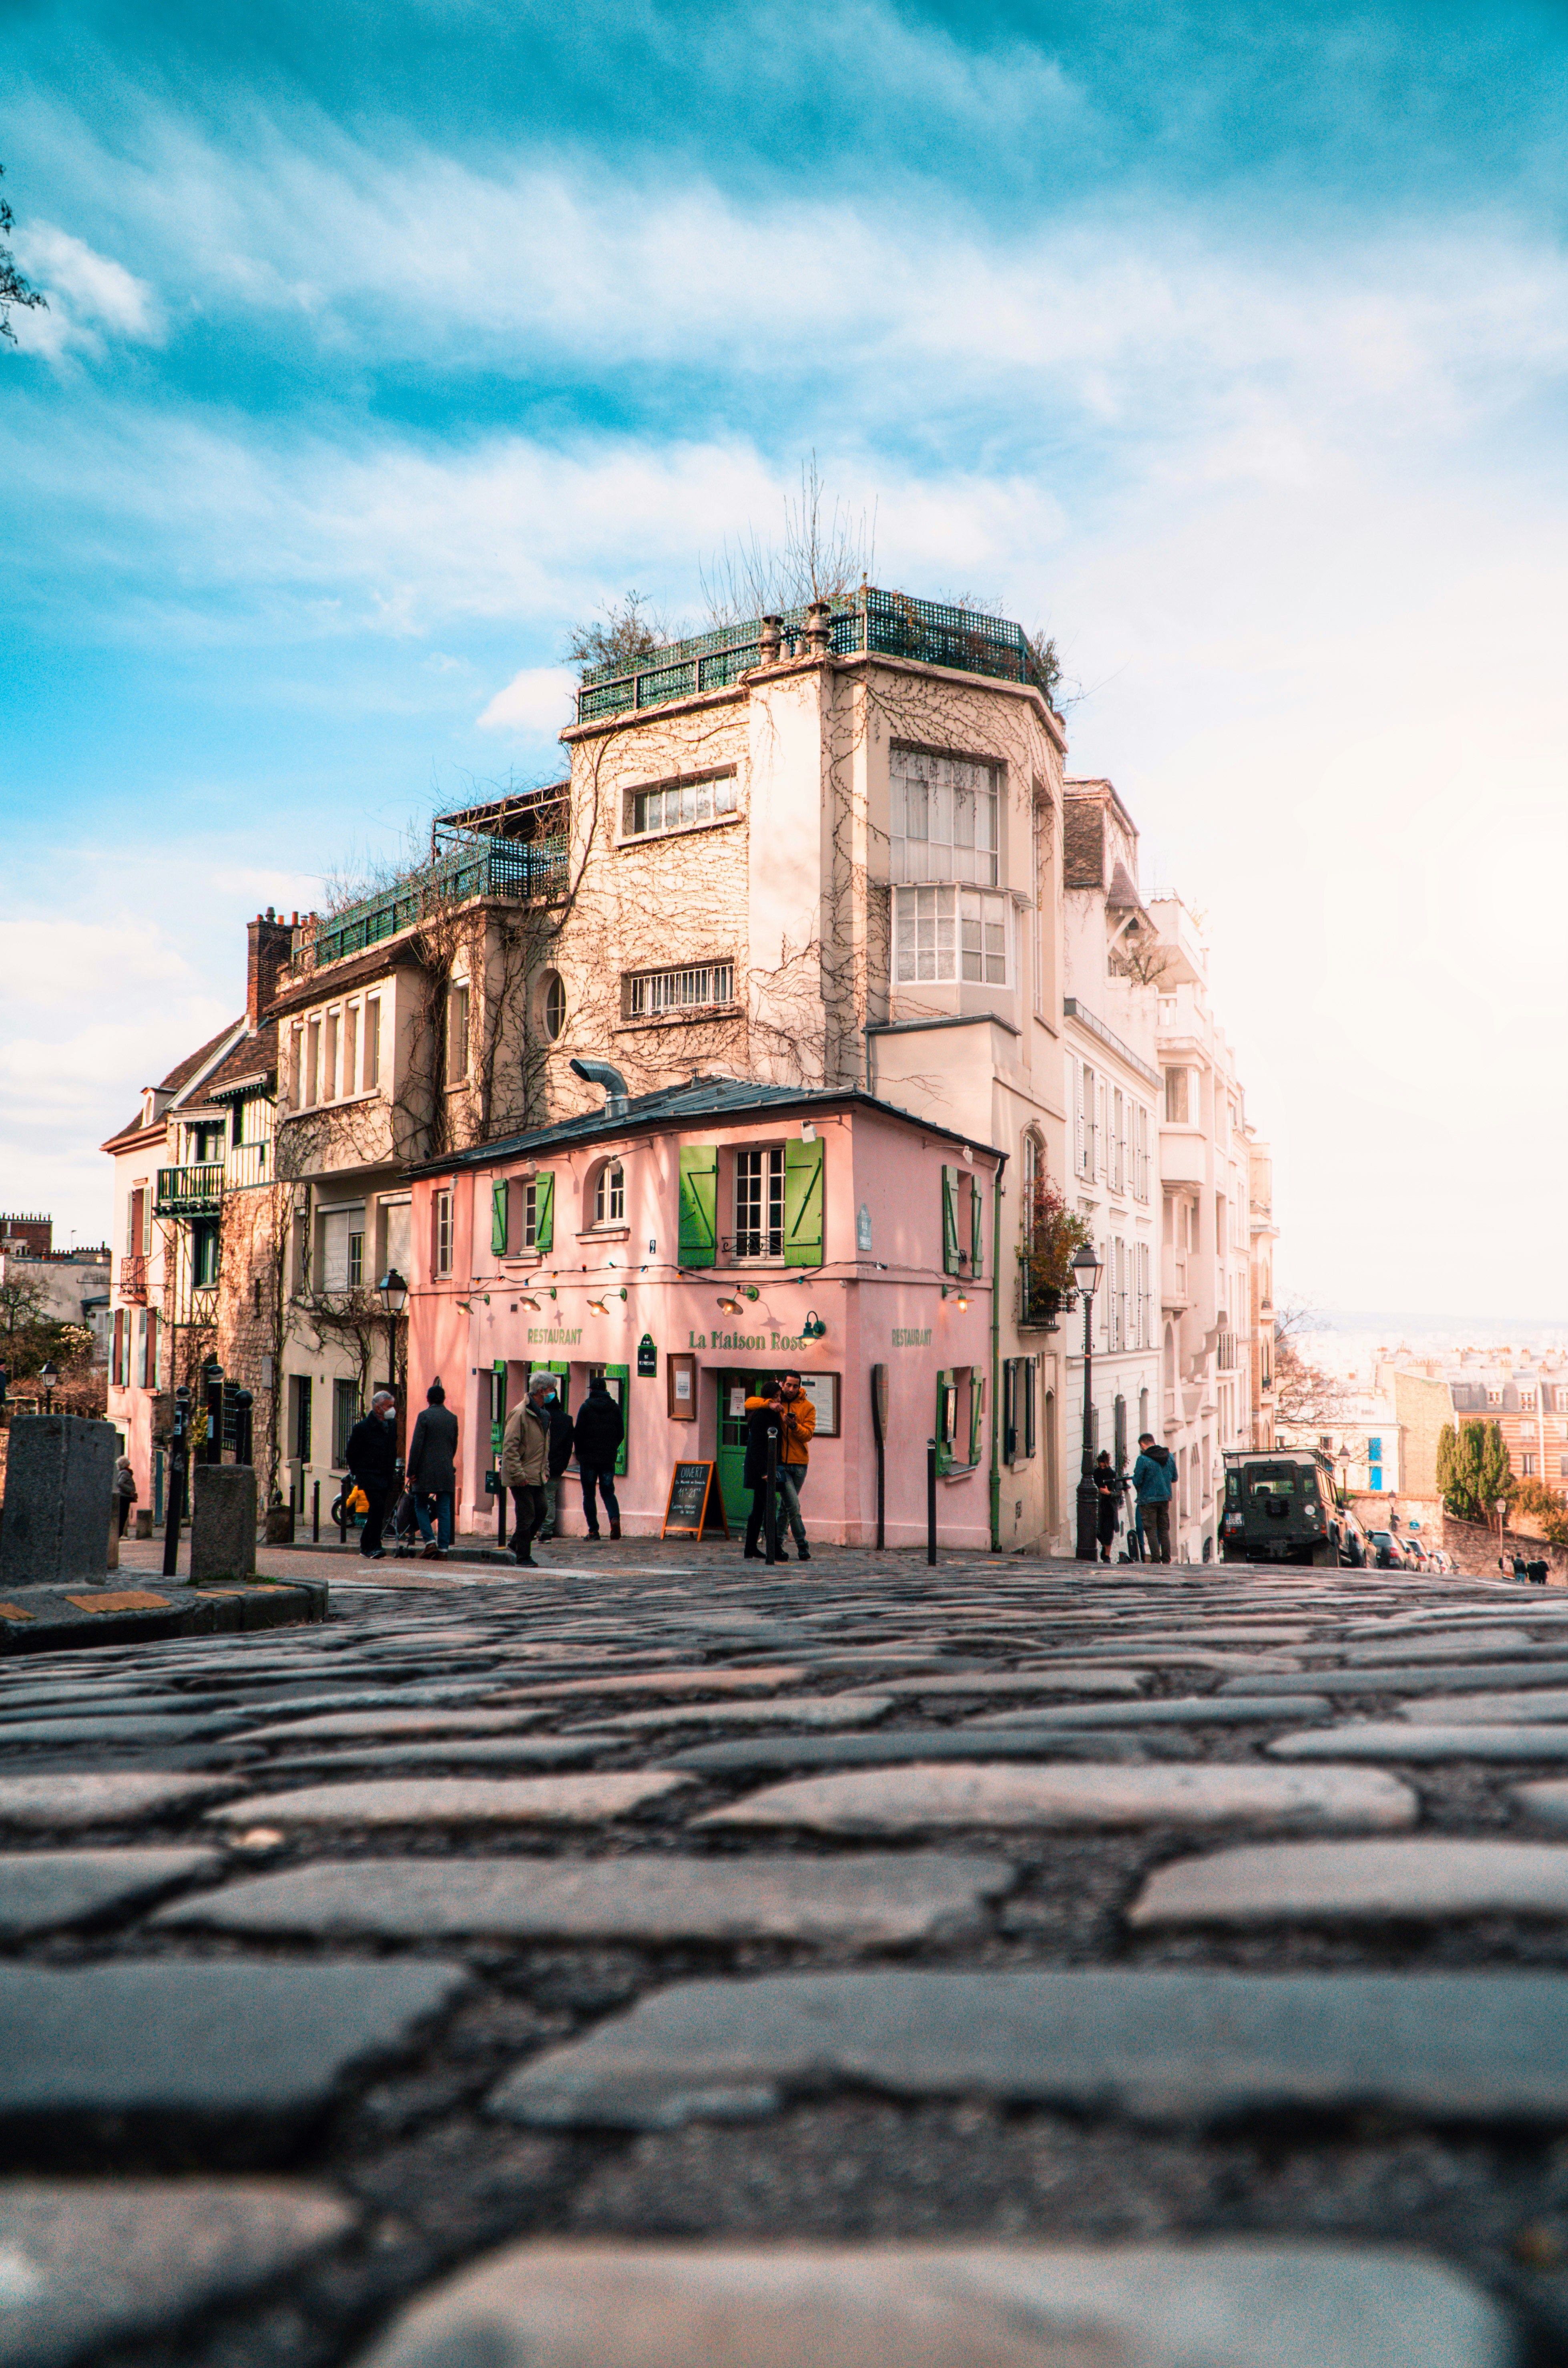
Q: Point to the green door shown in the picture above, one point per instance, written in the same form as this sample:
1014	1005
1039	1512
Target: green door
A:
615	1378
733	1390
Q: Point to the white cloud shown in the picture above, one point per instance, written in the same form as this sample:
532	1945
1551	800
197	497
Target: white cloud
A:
89	296
536	700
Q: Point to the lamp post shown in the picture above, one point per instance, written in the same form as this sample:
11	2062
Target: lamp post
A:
49	1375
1086	1270
395	1298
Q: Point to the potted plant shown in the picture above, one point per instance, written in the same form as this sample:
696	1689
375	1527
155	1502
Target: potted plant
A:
1053	1232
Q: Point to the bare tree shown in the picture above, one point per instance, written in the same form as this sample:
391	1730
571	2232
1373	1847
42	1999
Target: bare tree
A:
1304	1393
822	555
14	289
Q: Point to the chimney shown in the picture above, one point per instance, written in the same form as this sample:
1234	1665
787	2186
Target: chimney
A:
268	955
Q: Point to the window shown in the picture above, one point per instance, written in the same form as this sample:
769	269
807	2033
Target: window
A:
345	1415
538	1213
1494	1398
351	1049
947	934
340	1248
676	805
960	1411
204	1254
609	1194
1139	1153
441	1244
944	818
552	1005
299	1417
1119	1142
1085	1144
1526	1467
654	992
759	1203
457	1036
1177	1101
1526	1401
372	1044
356	1260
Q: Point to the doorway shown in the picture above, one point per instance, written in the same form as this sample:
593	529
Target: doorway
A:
735	1388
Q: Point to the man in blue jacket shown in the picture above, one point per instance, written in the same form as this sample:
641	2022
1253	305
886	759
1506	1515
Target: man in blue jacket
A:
1152	1477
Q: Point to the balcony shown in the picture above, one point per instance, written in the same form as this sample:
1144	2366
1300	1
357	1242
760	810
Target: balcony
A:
189	1191
885	624
133	1279
1042	1310
476	865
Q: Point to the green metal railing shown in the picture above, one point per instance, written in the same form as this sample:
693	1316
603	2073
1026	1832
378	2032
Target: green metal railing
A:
888	624
189	1191
521	868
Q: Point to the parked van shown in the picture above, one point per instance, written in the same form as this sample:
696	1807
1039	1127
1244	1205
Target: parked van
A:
1279	1506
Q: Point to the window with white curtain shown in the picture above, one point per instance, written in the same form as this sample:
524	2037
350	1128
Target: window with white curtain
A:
945	818
953	935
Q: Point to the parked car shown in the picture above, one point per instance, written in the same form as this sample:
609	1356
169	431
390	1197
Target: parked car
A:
1388	1553
1279	1506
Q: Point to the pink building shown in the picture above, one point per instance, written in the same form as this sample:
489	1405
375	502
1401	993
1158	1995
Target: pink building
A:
685	1243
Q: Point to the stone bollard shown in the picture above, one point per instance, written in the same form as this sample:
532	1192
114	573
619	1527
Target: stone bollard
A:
59	1492
222	1521
143	1517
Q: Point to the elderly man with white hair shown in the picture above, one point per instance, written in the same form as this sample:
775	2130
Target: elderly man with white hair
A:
525	1460
373	1461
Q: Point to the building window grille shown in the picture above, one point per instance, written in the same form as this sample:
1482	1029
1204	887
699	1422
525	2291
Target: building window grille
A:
677	805
950	934
652	993
759	1204
944	822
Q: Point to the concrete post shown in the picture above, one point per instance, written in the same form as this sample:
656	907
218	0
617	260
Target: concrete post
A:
222	1521
59	1487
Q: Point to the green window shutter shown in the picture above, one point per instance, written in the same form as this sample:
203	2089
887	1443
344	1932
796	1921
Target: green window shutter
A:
698	1203
949	1221
544	1212
498	1198
622	1373
803	1202
976	1414
946	1395
976	1230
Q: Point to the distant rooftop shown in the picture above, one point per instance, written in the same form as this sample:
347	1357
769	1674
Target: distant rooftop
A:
890	624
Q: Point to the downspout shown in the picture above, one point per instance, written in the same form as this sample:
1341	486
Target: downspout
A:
996	1356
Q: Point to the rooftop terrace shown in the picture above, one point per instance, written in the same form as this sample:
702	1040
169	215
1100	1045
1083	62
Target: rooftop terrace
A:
888	624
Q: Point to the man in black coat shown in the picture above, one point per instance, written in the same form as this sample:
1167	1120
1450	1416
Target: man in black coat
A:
372	1462
433	1470
600	1430
558	1456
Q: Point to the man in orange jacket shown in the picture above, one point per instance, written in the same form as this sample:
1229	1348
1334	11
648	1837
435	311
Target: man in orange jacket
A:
794	1450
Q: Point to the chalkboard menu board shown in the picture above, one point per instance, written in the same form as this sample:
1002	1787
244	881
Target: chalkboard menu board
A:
696	1503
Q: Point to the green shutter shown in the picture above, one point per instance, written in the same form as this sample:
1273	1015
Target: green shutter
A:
949	1221
622	1373
976	1414
498	1197
698	1203
803	1202
946	1392
544	1212
976	1230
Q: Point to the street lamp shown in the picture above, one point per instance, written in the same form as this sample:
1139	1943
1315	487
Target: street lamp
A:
395	1298
49	1375
1086	1271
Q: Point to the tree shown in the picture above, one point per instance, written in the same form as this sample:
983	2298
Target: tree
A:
1544	1509
14	289
1054	1233
1304	1393
1473	1470
626	633
22	1304
819	557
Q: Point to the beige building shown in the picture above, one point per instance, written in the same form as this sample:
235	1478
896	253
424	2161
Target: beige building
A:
1262	1233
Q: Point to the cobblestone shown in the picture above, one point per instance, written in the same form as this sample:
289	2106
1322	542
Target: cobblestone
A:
1104	1959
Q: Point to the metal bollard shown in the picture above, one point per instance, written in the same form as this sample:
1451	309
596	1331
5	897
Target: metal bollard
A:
770	1500
931	1500
343	1511
315	1512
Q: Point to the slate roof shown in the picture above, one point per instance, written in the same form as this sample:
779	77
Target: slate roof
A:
253	1062
1083	827
699	1101
178	1076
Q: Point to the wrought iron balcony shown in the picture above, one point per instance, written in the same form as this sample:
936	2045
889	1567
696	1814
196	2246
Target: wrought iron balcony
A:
189	1191
1042	1310
133	1278
528	870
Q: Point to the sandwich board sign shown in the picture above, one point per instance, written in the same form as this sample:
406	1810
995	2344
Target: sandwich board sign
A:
695	1505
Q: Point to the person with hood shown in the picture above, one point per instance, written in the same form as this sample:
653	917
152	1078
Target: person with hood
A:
559	1457
372	1458
600	1430
764	1428
1108	1505
1152	1477
124	1491
799	1419
432	1470
525	1459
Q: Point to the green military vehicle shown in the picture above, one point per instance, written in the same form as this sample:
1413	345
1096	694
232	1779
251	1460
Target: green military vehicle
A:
1279	1506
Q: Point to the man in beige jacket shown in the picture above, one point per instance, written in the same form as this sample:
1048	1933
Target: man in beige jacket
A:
525	1458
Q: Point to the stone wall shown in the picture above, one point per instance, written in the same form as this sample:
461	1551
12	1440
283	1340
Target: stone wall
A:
1475	1550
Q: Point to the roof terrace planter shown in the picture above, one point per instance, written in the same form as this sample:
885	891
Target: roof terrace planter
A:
869	623
189	1191
525	871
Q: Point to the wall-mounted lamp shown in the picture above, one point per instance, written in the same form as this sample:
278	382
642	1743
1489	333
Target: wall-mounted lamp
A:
808	1131
528	1299
599	1307
814	1329
967	1156
955	1291
466	1305
731	1303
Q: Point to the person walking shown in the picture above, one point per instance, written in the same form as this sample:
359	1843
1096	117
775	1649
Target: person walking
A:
372	1458
124	1491
800	1422
600	1430
559	1457
1152	1477
433	1470
1108	1499
525	1460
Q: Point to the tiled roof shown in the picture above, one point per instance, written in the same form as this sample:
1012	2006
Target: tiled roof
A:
699	1100
182	1073
254	1060
1084	840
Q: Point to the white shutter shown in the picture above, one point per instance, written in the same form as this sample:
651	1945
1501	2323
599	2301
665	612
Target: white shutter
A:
1077	1089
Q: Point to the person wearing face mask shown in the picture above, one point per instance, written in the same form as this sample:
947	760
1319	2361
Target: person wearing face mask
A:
799	1420
372	1462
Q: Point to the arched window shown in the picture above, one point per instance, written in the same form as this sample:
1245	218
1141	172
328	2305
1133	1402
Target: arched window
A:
552	1004
609	1194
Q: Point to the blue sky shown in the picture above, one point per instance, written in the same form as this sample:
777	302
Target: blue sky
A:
386	342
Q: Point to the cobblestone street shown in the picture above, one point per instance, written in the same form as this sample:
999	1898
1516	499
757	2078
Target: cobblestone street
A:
647	1961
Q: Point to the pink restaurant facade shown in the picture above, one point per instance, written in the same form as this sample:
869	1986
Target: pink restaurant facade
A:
686	1242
